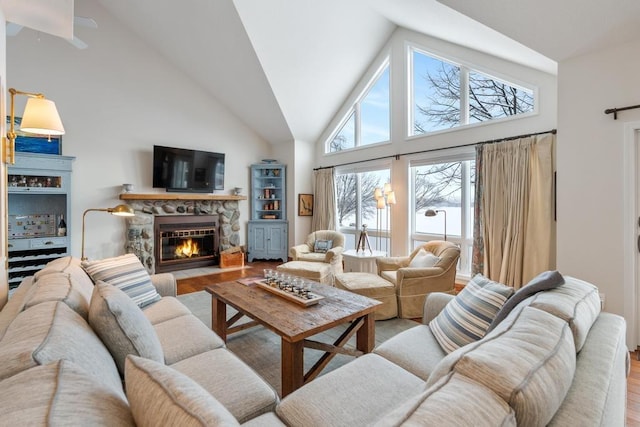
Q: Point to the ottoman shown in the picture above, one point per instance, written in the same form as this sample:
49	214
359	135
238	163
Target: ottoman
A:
317	271
372	286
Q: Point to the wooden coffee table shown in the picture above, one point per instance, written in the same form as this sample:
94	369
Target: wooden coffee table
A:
295	323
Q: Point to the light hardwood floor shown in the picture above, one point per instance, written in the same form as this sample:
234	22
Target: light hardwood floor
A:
194	284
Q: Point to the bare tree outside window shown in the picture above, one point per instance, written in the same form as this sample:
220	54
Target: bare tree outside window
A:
347	188
439	106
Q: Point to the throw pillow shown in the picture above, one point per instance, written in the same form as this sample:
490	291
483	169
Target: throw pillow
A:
122	326
322	246
542	282
127	273
160	395
424	259
467	317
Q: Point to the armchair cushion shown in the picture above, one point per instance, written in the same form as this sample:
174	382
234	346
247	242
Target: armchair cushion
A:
424	259
467	317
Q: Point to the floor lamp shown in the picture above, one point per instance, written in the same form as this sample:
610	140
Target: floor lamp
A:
120	210
431	212
380	204
391	200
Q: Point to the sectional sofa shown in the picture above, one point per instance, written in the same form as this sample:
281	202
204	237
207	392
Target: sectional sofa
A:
555	359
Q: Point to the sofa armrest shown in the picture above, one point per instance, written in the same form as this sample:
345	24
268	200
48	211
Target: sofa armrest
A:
391	263
165	284
296	251
433	305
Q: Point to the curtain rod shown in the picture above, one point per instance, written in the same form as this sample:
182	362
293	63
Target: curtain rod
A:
615	110
397	156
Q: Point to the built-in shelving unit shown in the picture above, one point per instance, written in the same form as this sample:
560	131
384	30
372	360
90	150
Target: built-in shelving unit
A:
268	225
39	194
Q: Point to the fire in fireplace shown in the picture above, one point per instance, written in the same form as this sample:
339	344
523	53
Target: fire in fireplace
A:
185	241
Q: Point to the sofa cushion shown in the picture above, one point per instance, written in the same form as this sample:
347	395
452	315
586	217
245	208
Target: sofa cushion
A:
15	305
178	345
160	395
232	383
453	401
576	302
467	317
122	326
165	309
127	273
415	350
423	259
528	360
542	282
358	393
61	393
59	287
52	331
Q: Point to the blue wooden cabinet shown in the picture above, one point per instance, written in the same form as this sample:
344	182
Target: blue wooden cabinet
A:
268	225
39	195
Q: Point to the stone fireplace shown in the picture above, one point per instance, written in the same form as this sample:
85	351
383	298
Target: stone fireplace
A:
181	209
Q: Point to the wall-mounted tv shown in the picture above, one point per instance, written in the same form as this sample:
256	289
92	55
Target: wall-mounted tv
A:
191	171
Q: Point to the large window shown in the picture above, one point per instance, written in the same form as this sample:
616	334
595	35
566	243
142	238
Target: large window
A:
368	120
446	188
445	95
356	207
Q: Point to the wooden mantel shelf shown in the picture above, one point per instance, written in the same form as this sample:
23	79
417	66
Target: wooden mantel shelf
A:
180	196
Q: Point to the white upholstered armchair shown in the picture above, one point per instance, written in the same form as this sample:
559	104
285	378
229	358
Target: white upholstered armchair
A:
321	246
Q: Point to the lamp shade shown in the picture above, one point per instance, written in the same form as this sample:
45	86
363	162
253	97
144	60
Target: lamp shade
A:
377	193
391	198
41	116
430	212
387	188
122	210
380	204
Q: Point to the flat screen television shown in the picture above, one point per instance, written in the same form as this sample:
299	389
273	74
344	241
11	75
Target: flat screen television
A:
191	171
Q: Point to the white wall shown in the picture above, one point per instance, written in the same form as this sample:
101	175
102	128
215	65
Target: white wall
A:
544	120
590	167
117	99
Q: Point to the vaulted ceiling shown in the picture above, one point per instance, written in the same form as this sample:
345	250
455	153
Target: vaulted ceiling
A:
286	66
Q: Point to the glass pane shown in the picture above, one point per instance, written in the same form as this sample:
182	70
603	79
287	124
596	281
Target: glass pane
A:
439	188
346	138
346	199
374	112
436	94
376	219
491	99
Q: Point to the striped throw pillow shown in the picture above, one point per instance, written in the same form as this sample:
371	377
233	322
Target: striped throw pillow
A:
127	273
467	317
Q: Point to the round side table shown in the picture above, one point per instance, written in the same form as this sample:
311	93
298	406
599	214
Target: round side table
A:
361	261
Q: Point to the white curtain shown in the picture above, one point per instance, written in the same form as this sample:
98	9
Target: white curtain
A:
324	201
517	223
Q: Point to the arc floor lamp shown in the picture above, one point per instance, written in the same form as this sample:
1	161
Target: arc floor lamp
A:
40	117
120	210
431	212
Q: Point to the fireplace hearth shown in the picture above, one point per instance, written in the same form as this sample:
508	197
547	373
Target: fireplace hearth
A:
183	242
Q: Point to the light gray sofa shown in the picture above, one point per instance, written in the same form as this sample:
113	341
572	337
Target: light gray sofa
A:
554	360
55	370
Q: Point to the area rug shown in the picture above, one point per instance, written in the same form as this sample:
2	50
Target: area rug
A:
260	348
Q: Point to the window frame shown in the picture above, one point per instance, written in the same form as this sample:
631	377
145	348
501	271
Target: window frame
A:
355	110
465	69
465	241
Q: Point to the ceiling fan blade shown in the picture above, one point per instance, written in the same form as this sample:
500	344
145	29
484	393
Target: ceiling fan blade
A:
13	29
78	43
85	22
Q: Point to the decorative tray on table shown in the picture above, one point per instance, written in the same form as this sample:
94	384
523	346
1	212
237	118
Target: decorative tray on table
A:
310	298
